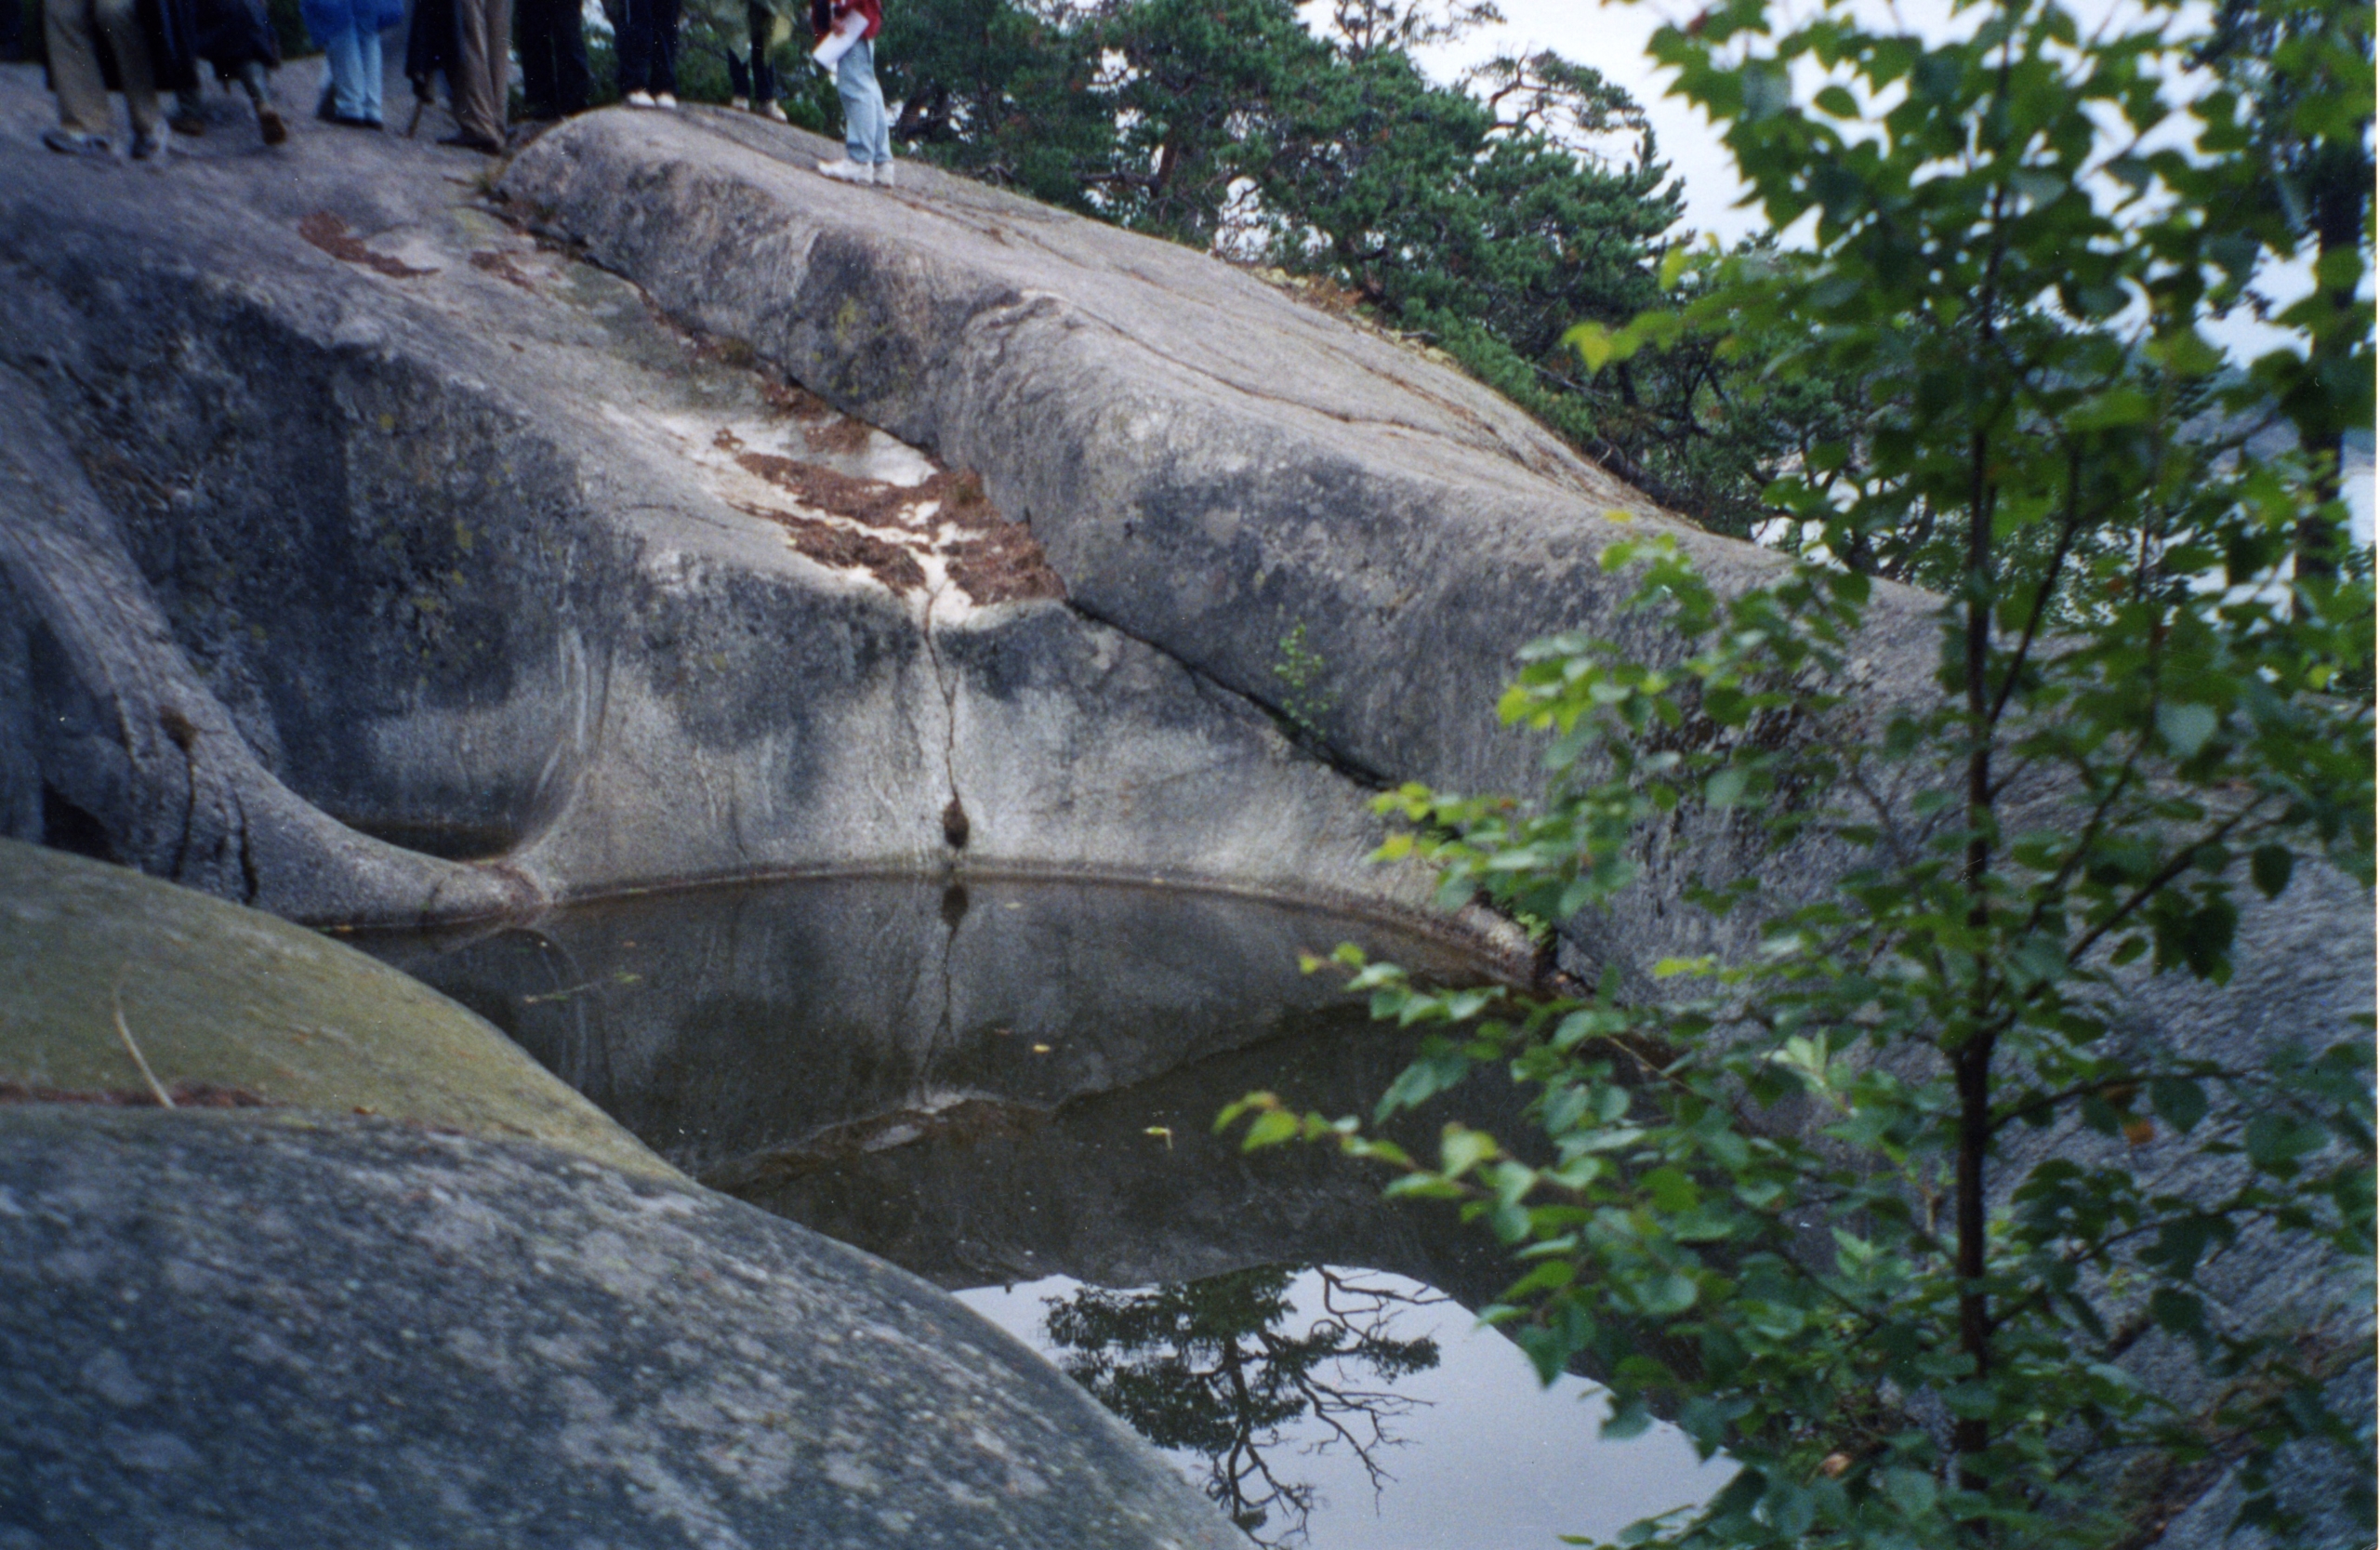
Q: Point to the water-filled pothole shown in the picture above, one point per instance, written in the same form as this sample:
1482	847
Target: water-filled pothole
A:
1008	1088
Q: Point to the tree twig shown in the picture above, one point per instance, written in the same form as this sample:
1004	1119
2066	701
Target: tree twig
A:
124	1031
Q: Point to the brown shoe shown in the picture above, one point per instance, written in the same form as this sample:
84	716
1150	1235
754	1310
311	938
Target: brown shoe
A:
272	125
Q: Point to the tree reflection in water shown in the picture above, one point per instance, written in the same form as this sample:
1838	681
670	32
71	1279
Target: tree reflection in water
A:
1217	1367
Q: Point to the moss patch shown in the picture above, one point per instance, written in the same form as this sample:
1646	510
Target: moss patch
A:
217	997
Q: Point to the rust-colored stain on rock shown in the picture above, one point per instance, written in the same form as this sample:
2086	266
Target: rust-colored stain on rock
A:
328	232
992	560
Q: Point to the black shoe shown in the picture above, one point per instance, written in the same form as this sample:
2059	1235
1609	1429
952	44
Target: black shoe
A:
468	141
345	122
327	109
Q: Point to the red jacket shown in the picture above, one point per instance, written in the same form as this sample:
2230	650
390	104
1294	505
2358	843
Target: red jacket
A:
824	14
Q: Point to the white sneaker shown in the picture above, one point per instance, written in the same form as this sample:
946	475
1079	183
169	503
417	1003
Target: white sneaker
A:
740	104
884	178
638	100
847	171
665	100
774	114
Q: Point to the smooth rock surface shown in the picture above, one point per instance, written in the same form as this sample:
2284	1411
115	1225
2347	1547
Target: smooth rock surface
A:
368	560
1346	530
219	998
217	1332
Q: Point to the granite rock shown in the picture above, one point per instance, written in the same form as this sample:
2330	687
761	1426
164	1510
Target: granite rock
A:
220	1331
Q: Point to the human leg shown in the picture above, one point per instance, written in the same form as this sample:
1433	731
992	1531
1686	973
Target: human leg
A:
635	39
119	21
344	54
571	84
759	25
67	28
484	28
188	115
367	58
256	78
661	71
533	40
867	137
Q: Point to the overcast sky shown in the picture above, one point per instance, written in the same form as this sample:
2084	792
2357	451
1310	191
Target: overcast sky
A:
1611	37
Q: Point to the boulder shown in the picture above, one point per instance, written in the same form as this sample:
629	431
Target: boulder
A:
367	559
109	980
220	1331
1340	527
379	1278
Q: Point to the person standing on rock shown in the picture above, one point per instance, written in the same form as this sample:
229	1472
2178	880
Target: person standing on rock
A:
649	54
71	31
551	36
479	76
754	84
236	37
867	133
349	32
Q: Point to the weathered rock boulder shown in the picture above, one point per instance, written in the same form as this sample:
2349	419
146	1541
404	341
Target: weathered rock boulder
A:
232	1005
441	574
219	1332
381	1279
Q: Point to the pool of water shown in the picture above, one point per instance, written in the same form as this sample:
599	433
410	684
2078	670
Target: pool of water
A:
1008	1088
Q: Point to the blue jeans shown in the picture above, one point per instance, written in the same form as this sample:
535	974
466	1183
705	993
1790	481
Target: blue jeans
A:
868	137
354	57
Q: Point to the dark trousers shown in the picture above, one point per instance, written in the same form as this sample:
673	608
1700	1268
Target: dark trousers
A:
648	48
551	40
758	81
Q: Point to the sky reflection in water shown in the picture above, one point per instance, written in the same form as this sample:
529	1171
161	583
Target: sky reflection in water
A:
1477	1455
1014	1084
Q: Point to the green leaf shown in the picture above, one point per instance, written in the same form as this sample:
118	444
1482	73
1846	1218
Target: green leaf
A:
1912	1491
1667	1293
2177	1310
1837	102
1462	1149
1594	343
1672	1190
2275	1142
2270	867
2185	728
2178	1101
1270	1130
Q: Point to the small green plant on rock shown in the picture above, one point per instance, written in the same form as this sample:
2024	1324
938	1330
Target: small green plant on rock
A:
1894	1196
1305	696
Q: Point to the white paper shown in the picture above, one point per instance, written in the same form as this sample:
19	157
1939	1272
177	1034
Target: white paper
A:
835	45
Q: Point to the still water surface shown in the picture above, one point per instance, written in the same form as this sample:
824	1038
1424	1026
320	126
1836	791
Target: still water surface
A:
1008	1088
